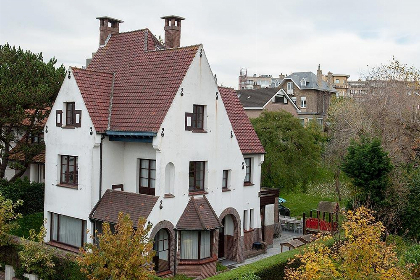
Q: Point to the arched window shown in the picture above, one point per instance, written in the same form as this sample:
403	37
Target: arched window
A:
169	178
161	247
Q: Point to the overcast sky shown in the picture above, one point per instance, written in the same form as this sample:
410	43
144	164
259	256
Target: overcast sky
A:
266	37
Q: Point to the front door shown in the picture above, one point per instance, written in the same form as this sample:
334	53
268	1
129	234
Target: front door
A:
222	240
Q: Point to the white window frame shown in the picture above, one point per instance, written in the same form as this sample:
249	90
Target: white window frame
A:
303	102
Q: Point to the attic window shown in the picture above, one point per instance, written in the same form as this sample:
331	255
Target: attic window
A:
73	117
303	82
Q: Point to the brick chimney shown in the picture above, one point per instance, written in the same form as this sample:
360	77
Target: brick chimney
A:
172	31
107	26
319	76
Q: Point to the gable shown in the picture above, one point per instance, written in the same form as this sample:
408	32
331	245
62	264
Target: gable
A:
146	80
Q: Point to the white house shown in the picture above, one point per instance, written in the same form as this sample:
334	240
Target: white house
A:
145	130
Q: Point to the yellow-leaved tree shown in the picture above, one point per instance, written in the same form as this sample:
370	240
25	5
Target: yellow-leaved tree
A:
125	254
7	218
361	255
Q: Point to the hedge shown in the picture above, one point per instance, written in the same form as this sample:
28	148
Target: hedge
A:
32	194
268	268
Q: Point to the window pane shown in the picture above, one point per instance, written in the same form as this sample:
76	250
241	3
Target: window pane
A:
189	245
144	182
70	231
152	164
152	183
144	173
152	174
205	245
54	226
144	163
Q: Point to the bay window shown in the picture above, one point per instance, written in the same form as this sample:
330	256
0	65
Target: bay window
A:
195	245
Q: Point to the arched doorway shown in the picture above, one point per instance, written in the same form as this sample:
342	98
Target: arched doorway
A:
161	246
229	236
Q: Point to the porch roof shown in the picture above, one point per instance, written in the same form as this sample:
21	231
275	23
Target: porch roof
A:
113	202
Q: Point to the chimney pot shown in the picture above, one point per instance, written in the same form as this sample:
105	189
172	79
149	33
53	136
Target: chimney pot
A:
108	26
172	31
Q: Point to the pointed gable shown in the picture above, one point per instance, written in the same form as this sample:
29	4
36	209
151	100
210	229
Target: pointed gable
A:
95	88
244	131
198	215
146	78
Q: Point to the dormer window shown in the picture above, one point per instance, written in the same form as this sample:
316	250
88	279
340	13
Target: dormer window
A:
303	82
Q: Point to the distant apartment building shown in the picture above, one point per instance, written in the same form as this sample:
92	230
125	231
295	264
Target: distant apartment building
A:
257	82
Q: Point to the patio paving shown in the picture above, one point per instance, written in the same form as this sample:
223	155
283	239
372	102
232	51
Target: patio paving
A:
285	236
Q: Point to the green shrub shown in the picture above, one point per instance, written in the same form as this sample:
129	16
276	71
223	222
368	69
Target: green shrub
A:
32	194
268	268
412	257
28	222
249	276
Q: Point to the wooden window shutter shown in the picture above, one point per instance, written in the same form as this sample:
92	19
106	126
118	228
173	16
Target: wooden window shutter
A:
59	118
188	121
77	118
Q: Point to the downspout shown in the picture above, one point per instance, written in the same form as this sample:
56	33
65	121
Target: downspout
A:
100	167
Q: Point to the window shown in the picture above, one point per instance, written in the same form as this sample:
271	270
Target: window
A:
294	100
225	181
337	81
72	117
161	247
247	171
196	180
303	102
320	121
245	221
290	86
147	176
68	230
195	245
198	117
302	121
195	120
69	170
251	218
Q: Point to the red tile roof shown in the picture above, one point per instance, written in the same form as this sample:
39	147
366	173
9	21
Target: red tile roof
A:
198	215
242	127
114	202
96	90
146	81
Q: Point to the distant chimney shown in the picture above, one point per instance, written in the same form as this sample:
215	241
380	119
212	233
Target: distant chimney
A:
330	78
107	26
319	75
281	76
172	31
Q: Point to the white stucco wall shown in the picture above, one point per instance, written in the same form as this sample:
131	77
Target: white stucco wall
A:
216	148
76	203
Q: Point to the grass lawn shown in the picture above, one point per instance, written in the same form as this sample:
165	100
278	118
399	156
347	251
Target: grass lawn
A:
32	221
301	202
